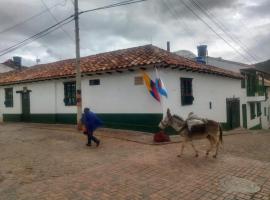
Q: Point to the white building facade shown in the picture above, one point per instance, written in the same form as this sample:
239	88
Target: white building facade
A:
4	68
119	95
120	102
253	100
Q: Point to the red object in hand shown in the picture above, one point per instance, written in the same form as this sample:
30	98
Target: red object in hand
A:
161	137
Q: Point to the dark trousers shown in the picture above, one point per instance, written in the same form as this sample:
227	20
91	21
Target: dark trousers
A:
91	137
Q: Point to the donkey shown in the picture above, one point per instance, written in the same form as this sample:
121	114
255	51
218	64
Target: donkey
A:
212	132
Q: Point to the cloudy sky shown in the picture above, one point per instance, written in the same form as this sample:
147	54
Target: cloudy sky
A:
246	24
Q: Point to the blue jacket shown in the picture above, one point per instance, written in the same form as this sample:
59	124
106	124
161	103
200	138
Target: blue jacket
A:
91	121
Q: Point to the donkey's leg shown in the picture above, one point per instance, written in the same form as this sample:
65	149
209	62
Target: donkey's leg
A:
196	151
210	138
217	146
182	147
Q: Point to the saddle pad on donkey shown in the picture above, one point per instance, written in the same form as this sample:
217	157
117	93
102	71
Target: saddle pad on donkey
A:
196	125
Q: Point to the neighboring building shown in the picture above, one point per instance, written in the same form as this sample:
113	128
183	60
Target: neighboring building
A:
253	94
10	65
218	62
264	67
112	86
266	107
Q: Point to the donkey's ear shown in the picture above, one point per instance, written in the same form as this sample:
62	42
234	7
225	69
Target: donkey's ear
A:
168	112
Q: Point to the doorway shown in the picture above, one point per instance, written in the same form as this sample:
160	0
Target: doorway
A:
244	112
233	113
25	96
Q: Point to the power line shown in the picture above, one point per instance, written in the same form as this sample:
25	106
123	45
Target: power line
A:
28	19
56	20
174	14
113	5
219	25
35	38
213	30
32	38
60	24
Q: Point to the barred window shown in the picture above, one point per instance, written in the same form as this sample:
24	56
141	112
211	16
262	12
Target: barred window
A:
186	91
9	97
70	93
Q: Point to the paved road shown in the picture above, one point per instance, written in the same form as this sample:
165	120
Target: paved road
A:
55	164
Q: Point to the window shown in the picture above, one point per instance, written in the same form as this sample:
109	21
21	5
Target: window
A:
251	84
265	111
259	110
70	93
9	97
252	110
260	86
186	91
94	82
138	80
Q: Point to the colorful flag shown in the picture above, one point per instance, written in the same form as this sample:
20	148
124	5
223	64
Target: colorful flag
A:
161	88
160	85
151	86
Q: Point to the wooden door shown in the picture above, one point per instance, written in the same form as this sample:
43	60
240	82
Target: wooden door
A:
25	106
244	113
233	113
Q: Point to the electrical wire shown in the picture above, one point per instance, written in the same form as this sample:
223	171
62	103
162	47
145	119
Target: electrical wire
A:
19	44
205	11
28	19
56	20
60	24
214	31
174	14
113	5
36	38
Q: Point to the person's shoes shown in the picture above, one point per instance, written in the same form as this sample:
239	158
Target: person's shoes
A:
98	143
89	145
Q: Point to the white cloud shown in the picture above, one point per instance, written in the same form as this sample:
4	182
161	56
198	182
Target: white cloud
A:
154	21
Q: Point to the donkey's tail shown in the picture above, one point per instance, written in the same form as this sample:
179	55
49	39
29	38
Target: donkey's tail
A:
220	134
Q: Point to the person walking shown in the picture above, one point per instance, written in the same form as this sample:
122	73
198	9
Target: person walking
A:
91	123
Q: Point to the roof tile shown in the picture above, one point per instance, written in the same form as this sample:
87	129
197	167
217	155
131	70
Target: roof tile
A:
121	59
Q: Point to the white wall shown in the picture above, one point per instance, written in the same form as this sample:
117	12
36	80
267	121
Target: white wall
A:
233	66
46	97
42	97
118	94
16	101
4	68
206	88
59	92
265	119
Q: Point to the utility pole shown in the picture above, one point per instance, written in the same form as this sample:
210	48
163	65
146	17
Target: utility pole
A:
78	69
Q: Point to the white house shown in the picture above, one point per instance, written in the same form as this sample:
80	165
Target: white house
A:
5	68
253	101
11	64
112	86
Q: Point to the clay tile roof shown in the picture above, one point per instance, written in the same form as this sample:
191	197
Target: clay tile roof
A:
109	61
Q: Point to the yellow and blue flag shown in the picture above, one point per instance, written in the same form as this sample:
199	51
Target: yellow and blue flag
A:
151	86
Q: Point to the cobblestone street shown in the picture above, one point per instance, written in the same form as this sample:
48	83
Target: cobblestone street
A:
55	164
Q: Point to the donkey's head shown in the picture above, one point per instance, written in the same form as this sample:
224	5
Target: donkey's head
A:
171	120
